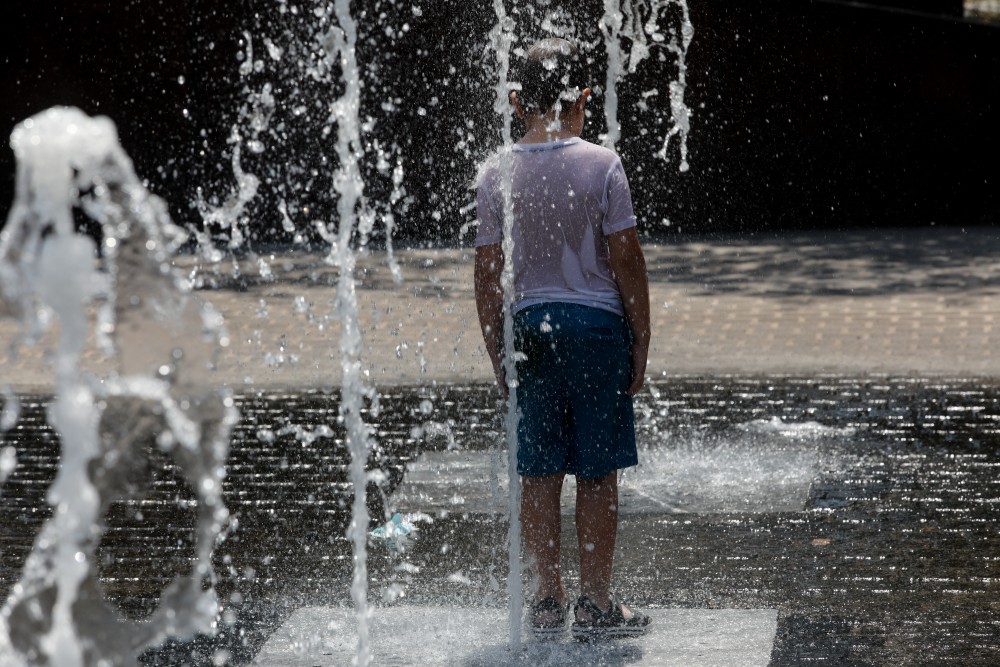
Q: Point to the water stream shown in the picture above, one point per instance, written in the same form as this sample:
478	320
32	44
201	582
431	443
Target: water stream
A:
502	38
632	30
340	46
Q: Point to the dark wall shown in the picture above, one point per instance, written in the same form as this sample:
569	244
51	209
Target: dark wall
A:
126	60
154	67
826	114
945	7
808	113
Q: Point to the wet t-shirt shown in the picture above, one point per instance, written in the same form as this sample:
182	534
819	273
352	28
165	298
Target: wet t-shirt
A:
568	197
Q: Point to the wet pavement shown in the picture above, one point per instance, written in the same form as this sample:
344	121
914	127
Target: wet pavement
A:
821	443
422	635
890	554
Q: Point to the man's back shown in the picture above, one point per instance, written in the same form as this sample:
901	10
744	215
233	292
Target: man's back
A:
568	196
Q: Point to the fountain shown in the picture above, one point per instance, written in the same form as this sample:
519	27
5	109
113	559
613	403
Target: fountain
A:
161	393
340	46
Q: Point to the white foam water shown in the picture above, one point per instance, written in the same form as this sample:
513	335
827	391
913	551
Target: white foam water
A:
742	471
795	430
161	392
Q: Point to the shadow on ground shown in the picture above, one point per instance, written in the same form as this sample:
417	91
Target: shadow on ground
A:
857	263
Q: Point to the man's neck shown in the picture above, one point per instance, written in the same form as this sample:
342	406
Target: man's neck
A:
545	129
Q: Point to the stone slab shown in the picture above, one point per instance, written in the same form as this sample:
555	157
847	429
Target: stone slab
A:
452	636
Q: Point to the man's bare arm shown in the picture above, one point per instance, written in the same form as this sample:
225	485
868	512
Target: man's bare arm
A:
489	304
629	266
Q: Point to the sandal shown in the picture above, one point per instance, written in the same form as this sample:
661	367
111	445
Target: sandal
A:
548	617
610	624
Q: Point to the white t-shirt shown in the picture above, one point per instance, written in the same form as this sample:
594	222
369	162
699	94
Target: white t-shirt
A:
568	195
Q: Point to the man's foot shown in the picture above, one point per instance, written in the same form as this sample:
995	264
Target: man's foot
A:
618	621
548	617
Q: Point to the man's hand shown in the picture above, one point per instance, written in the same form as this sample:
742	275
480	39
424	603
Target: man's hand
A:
489	304
501	374
639	355
629	266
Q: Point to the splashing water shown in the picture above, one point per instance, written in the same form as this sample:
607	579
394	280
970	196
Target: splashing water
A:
161	392
325	53
11	409
501	37
624	21
162	389
231	215
339	44
8	418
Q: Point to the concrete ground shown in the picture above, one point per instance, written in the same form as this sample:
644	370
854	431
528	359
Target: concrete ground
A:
916	302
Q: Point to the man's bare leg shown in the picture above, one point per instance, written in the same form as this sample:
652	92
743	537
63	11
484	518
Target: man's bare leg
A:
542	524
596	530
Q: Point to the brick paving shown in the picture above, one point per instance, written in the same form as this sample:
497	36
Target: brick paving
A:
891	559
907	302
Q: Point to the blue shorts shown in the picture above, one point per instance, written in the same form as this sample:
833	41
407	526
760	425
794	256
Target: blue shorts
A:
572	391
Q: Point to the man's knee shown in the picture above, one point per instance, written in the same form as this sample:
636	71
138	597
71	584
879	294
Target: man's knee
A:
598	484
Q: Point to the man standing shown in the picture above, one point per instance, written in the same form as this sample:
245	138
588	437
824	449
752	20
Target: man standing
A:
581	320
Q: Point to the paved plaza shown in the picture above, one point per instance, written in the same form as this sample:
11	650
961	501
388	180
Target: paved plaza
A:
820	439
912	302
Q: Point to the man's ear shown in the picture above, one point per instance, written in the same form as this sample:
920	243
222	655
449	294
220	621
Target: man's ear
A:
581	102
